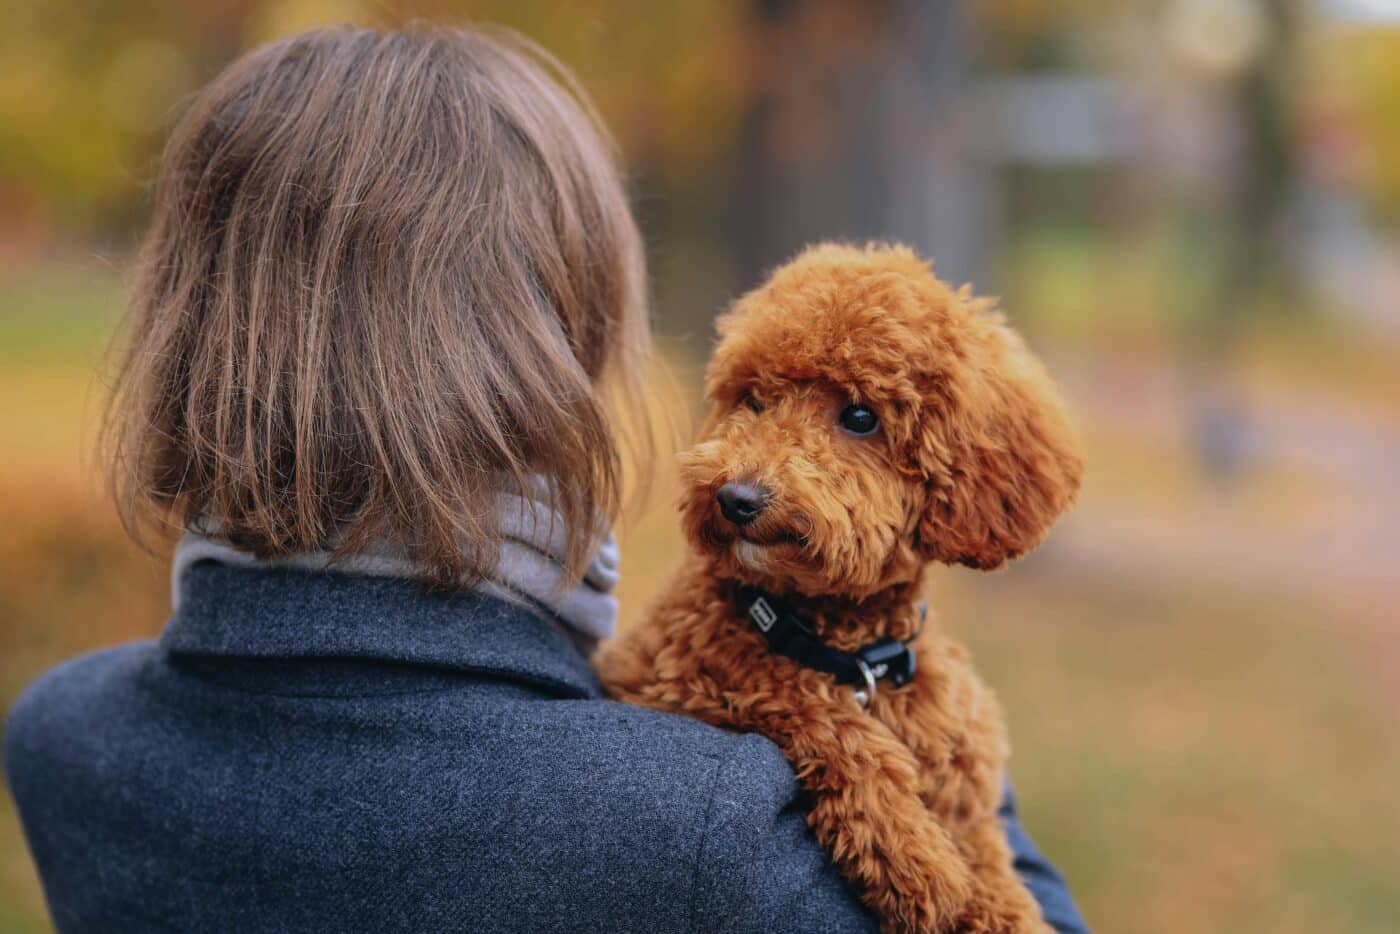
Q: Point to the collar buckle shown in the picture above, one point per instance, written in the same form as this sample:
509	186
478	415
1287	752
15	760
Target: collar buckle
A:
889	658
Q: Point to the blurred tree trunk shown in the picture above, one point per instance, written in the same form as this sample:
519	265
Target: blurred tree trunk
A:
857	130
1257	277
1264	171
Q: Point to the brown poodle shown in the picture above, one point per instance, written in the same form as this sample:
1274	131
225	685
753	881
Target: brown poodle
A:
867	420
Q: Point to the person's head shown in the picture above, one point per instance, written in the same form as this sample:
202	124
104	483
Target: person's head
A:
388	275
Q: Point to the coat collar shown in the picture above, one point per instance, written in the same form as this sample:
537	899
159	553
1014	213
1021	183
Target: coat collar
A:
284	613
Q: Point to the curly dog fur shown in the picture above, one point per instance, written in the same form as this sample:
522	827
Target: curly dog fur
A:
972	461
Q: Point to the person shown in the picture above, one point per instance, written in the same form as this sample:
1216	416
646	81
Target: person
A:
385	339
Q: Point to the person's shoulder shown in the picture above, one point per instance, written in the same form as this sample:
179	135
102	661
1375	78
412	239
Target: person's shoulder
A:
749	860
667	742
80	687
667	760
67	707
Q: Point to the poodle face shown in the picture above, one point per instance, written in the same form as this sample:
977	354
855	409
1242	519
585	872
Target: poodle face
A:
785	495
867	420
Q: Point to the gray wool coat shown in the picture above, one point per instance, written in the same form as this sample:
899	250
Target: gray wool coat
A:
307	751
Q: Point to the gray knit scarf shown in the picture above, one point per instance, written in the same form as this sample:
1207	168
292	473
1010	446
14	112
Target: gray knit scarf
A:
530	570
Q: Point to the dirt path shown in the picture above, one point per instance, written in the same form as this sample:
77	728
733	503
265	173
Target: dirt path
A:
1312	509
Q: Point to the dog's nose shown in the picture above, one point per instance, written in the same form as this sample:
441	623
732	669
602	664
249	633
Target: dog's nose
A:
741	503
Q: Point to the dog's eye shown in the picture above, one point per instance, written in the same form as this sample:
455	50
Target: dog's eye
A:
752	403
859	420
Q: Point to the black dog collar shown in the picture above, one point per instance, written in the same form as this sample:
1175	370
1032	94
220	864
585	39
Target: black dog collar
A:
788	635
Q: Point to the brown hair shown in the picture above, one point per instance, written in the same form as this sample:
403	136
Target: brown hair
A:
388	275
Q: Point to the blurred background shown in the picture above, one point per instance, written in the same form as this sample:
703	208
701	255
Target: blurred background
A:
1192	207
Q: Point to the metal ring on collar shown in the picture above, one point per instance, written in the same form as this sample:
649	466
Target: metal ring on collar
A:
866	694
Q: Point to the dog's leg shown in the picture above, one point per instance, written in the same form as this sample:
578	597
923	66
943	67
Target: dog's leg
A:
953	726
1000	904
867	812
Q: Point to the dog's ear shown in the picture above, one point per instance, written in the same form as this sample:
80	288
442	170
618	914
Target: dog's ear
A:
998	454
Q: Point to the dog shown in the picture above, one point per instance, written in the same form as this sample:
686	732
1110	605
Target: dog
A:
867	421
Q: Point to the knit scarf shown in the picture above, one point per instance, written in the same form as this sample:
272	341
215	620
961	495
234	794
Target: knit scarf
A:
529	571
